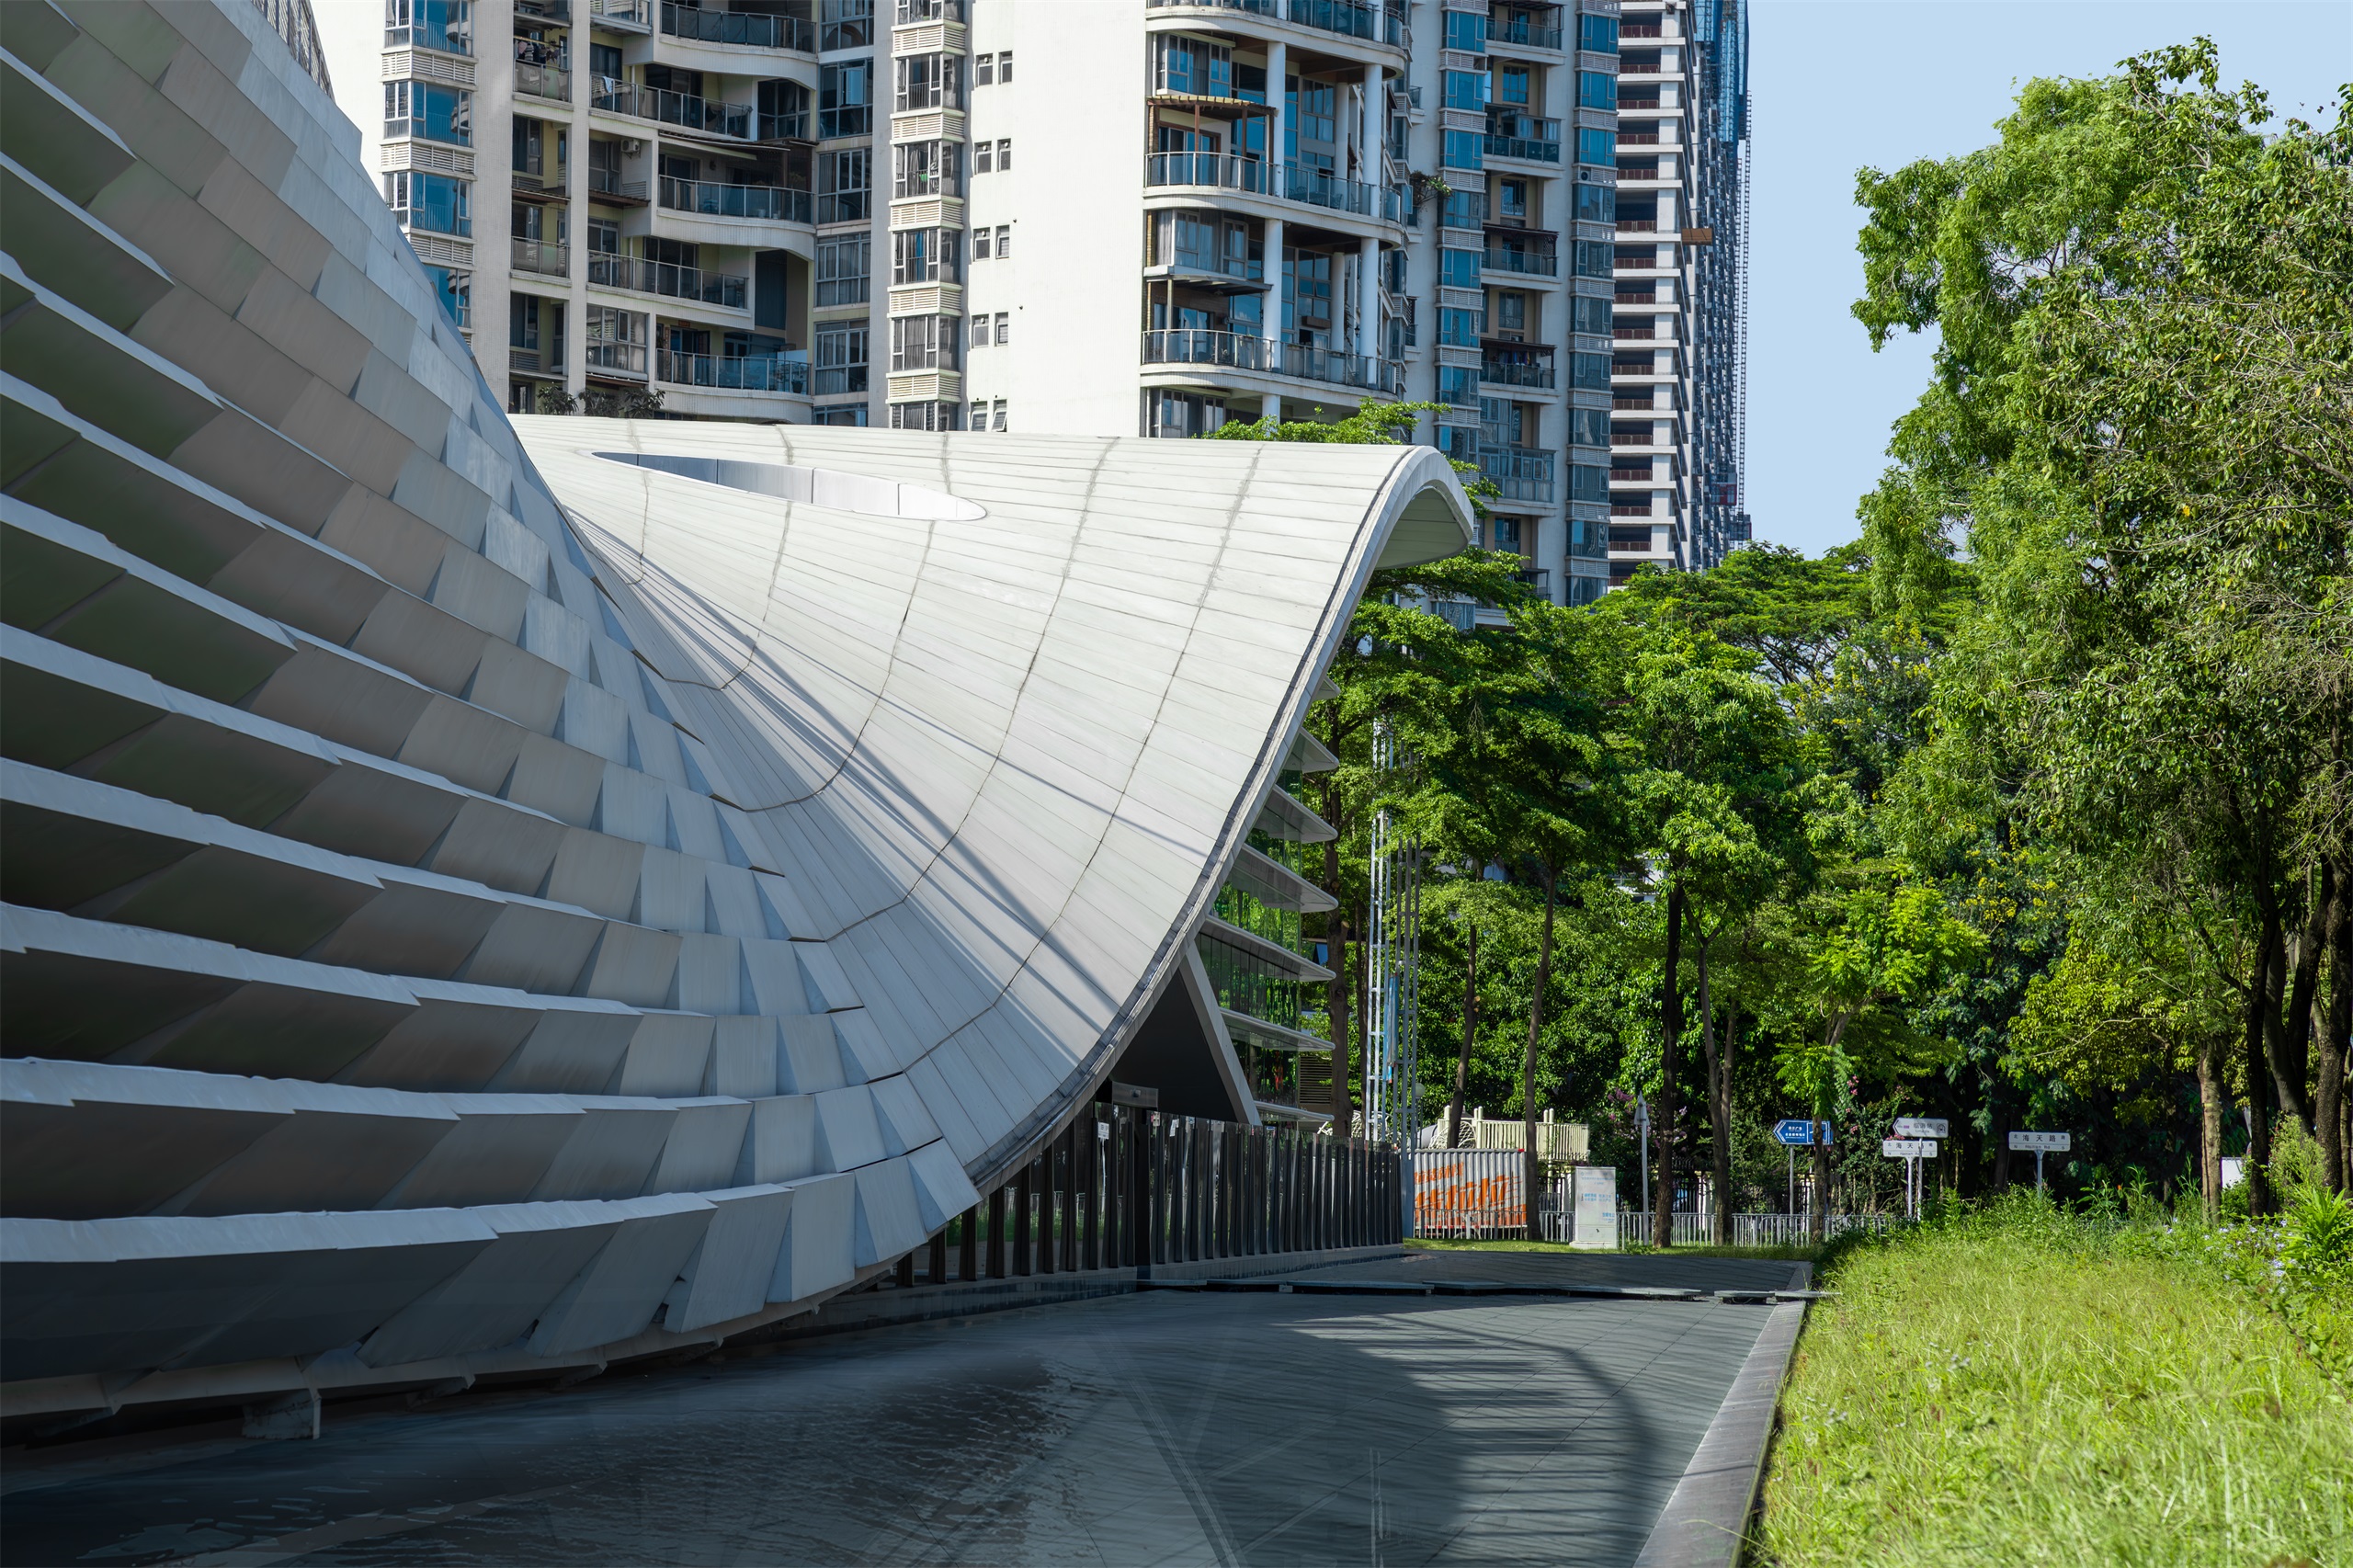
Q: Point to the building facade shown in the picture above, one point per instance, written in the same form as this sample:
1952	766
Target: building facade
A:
496	897
1108	217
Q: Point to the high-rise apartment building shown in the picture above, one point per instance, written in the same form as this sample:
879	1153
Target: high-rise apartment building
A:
1115	217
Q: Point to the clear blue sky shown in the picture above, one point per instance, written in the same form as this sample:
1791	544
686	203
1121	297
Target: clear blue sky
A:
1836	84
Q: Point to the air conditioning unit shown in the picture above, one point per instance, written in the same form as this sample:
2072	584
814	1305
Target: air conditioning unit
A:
632	149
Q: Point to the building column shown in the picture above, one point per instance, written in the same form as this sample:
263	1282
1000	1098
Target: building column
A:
1273	324
1278	120
1368	262
1369	298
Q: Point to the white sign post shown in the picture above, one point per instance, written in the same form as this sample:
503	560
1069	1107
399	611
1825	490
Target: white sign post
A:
2042	1143
1914	1150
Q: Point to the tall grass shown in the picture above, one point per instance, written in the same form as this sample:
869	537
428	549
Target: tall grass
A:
2013	1384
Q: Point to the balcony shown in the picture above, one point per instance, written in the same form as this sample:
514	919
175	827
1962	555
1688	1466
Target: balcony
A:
606	186
833	380
549	82
1627	101
1238	351
733	121
1649	297
1538	578
1522	473
773	203
558	11
1637	138
1648	400
1635	334
547	259
1340	17
1529	371
668	279
740	27
1290	182
1640	30
1638	226
1525	137
534	361
616	361
757	374
626	17
1630	475
537	185
1528	263
1522	30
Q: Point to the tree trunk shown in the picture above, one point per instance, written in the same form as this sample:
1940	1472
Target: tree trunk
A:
1719	1108
2334	1047
2258	1115
1670	1039
2292	1059
1531	1168
2210	1122
2287	1078
1462	1059
1337	997
1817	1225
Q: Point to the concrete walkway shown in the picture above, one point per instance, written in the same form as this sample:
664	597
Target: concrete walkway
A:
1160	1429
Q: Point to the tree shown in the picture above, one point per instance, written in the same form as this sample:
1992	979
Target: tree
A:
2142	428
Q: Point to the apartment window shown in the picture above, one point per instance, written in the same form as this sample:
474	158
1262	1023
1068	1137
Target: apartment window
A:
1511	311
616	339
1598	34
1459	328
1463	149
1005	73
845	98
456	292
445	24
605	62
1455	385
783	111
1468	89
1004	332
925	415
437	114
1588	482
1507	532
1596	203
1457	269
981	247
1185	65
925	256
1597	89
1596	146
434	203
1590	258
1512	85
914	11
928	81
1005	154
997	409
844	181
605	236
984	74
1466	32
1181	415
1511	200
978	337
980	414
1591	315
1588	427
840	414
922	342
846	24
928	168
1590	371
1004	241
983	160
840	355
842	270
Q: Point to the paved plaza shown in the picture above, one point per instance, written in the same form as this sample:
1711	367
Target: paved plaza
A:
1164	1427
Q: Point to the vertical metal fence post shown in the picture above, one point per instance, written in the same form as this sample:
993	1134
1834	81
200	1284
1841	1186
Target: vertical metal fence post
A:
996	1235
968	1265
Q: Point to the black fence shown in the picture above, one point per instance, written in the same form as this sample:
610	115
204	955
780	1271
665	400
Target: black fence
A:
1124	1187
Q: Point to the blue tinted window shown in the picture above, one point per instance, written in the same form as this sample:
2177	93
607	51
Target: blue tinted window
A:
1466	32
1597	203
1466	89
1460	269
1589	371
1460	328
1597	89
1464	149
1598	34
1592	316
1588	427
1589	483
1457	385
1596	147
1595	259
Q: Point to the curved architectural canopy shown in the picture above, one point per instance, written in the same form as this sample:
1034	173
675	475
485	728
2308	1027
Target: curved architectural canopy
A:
482	899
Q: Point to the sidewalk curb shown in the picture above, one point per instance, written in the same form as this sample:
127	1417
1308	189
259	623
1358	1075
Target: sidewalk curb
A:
1705	1519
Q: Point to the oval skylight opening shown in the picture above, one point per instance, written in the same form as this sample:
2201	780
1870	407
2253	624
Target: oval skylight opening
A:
819	486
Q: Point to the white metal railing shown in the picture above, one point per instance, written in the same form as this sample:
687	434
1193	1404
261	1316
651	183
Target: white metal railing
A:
1504	1221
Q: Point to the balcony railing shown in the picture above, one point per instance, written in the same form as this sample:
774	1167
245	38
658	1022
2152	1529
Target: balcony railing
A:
1638	226
1522	473
1329	16
776	204
1648	400
682	109
1238	351
1524	136
1516	373
534	361
546	257
1631	476
543	81
1291	182
622	359
626	15
1531	263
1617	440
793	127
738	28
1626	102
1521	30
1649	299
1640	29
666	278
1637	138
751	372
607	185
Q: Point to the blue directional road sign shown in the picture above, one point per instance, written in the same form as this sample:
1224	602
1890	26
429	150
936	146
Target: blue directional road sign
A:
1798	1134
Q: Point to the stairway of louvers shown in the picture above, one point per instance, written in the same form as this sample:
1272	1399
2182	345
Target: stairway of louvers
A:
482	900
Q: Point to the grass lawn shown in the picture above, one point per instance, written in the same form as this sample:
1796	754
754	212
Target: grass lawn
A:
2004	1394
